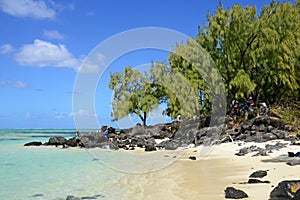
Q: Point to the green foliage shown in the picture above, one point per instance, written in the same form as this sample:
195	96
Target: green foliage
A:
289	113
196	66
257	54
242	83
175	90
133	94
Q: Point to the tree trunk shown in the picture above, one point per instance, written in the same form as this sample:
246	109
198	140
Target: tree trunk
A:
144	119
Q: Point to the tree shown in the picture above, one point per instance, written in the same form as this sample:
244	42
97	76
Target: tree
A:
133	94
257	54
278	52
174	90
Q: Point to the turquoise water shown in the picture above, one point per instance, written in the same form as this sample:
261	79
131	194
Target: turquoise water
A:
51	172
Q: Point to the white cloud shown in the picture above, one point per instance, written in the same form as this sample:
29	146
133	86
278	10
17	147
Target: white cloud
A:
93	64
6	49
83	114
53	34
46	54
16	84
28	8
60	115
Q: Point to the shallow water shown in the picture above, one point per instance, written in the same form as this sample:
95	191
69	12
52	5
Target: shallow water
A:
50	172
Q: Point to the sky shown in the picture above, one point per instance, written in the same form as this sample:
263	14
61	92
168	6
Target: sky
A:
44	43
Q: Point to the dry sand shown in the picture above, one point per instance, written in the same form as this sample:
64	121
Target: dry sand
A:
209	175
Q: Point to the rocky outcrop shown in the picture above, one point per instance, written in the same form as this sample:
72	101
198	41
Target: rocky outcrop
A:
288	190
72	142
93	140
232	193
33	144
260	129
260	151
57	141
182	134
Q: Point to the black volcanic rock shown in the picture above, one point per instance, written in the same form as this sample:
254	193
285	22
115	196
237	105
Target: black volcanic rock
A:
232	193
272	121
254	180
192	157
294	162
259	174
33	144
71	142
286	190
150	147
57	141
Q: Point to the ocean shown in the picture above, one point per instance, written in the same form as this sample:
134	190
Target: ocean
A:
47	172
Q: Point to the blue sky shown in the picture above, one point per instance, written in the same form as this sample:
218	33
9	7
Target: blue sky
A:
43	43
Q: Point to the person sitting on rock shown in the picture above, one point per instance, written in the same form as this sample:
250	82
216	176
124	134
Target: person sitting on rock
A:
235	107
251	102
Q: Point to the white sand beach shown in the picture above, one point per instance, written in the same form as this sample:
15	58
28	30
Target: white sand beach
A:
208	176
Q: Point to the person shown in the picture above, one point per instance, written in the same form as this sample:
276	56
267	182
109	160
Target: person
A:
235	107
263	110
251	101
106	133
78	139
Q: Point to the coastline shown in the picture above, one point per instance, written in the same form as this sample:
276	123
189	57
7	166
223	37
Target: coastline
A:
207	177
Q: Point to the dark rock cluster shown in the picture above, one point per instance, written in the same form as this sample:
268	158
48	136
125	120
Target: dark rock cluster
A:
288	190
285	190
260	151
260	129
182	134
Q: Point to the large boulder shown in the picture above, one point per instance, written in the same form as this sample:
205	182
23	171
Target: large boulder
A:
71	142
59	140
258	174
150	147
232	193
169	144
138	130
93	140
287	190
187	131
272	121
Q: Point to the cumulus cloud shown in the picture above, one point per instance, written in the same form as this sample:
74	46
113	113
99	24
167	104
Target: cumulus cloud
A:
16	84
6	49
53	34
28	8
93	64
46	54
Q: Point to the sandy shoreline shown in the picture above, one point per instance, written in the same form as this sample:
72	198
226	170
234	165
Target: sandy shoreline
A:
208	176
